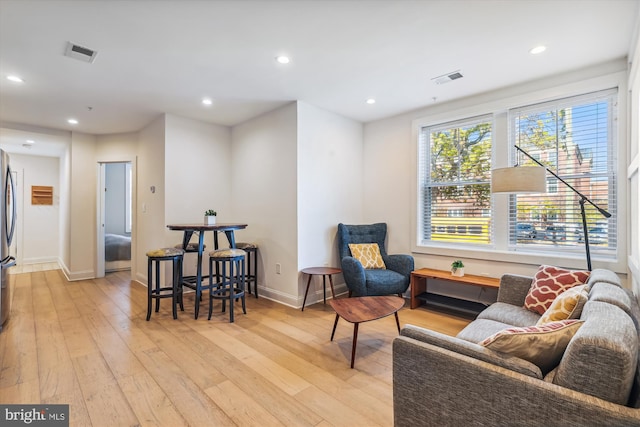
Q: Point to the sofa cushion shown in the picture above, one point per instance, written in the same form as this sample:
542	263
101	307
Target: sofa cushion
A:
611	294
548	283
542	345
510	314
568	305
602	357
480	329
602	275
368	254
472	350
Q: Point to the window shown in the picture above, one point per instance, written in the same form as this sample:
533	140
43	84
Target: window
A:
574	138
455	177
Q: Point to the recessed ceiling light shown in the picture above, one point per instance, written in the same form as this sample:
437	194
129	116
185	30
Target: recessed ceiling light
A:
371	101
538	49
207	101
15	79
283	59
72	121
30	141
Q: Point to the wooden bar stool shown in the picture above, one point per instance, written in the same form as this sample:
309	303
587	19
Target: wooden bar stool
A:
158	292
189	281
252	265
230	279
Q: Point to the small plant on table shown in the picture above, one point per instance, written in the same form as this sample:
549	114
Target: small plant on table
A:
457	268
210	217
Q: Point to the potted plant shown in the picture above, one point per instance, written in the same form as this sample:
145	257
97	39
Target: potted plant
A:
210	217
457	268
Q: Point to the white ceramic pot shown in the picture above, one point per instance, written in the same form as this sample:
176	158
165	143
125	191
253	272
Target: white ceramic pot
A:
210	219
459	272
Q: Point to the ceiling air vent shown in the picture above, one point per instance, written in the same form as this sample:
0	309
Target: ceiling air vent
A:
79	52
446	78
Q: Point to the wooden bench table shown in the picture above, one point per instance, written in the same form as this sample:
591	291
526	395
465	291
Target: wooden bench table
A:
420	277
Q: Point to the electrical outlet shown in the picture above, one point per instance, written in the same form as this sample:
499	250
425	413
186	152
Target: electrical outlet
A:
278	268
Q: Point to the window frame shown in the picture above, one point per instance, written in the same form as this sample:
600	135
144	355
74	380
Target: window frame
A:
494	103
425	149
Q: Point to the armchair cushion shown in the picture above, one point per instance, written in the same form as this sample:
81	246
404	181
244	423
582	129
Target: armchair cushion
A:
384	282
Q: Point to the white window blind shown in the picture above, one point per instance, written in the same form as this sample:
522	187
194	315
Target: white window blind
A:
455	177
574	138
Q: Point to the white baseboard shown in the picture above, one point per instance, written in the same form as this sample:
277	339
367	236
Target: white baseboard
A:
295	301
41	260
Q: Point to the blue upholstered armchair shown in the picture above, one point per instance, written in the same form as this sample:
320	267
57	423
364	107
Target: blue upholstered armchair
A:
363	282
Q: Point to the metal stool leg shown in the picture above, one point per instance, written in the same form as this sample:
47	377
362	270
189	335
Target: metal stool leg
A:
149	286
243	278
174	293
179	285
231	291
157	287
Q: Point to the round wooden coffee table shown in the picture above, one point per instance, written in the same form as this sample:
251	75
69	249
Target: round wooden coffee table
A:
364	309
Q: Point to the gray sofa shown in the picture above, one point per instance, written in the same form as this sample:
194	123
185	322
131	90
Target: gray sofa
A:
440	380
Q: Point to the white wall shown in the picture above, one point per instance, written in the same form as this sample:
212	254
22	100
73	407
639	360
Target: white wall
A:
390	164
64	226
388	157
264	195
82	233
150	208
117	147
197	178
330	178
38	225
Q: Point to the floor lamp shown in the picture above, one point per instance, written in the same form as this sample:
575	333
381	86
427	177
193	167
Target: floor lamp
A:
529	179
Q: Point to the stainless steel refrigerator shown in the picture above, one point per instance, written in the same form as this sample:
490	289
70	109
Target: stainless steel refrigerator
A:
7	228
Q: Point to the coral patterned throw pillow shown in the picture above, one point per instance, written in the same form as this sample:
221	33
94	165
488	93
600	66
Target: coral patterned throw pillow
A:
548	283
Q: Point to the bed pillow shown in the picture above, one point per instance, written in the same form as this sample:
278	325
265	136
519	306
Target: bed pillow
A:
548	283
368	254
542	345
567	305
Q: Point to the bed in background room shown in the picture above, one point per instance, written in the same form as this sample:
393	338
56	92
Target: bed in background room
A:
117	252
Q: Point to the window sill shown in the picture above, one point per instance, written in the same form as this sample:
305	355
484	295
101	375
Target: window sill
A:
528	257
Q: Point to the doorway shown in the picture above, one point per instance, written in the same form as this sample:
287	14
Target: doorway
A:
115	217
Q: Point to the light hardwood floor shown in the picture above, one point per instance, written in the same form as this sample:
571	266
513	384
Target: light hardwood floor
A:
87	344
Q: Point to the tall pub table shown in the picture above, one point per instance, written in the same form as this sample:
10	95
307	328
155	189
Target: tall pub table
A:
189	229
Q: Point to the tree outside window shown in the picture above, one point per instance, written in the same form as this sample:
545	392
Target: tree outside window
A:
456	182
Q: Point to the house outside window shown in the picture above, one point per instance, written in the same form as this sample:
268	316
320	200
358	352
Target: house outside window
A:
455	182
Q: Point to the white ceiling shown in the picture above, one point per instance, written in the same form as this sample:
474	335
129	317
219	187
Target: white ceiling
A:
159	57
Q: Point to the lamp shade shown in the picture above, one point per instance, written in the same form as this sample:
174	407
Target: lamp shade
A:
520	179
